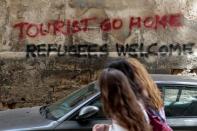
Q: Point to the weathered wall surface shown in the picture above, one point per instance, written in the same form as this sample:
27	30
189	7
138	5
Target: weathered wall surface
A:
34	81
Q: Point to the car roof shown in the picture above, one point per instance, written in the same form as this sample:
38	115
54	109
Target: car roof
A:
174	79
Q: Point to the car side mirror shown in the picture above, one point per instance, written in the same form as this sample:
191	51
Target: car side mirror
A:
87	112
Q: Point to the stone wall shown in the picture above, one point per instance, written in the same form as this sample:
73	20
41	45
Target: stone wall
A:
35	81
42	81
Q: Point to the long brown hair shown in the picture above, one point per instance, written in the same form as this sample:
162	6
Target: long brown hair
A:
120	102
146	82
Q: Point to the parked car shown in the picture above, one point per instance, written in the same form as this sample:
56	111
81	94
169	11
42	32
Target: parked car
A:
83	108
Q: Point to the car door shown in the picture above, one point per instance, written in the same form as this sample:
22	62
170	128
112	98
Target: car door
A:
181	106
72	124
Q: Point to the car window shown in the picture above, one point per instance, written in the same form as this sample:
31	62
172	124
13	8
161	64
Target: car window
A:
189	95
180	100
171	95
63	106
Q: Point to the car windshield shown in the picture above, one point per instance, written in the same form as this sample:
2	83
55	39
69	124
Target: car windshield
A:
63	106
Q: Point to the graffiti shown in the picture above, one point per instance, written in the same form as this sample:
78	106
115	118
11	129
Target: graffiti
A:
57	27
69	27
140	50
94	50
80	50
150	22
173	20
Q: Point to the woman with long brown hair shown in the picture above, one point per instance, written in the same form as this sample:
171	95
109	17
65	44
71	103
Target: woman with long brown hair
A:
120	103
144	79
143	85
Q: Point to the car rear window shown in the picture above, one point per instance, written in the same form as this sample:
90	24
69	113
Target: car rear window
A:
180	100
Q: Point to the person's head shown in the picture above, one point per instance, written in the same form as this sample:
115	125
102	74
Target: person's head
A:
145	80
120	102
125	67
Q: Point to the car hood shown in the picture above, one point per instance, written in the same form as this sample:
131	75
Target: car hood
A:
23	119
